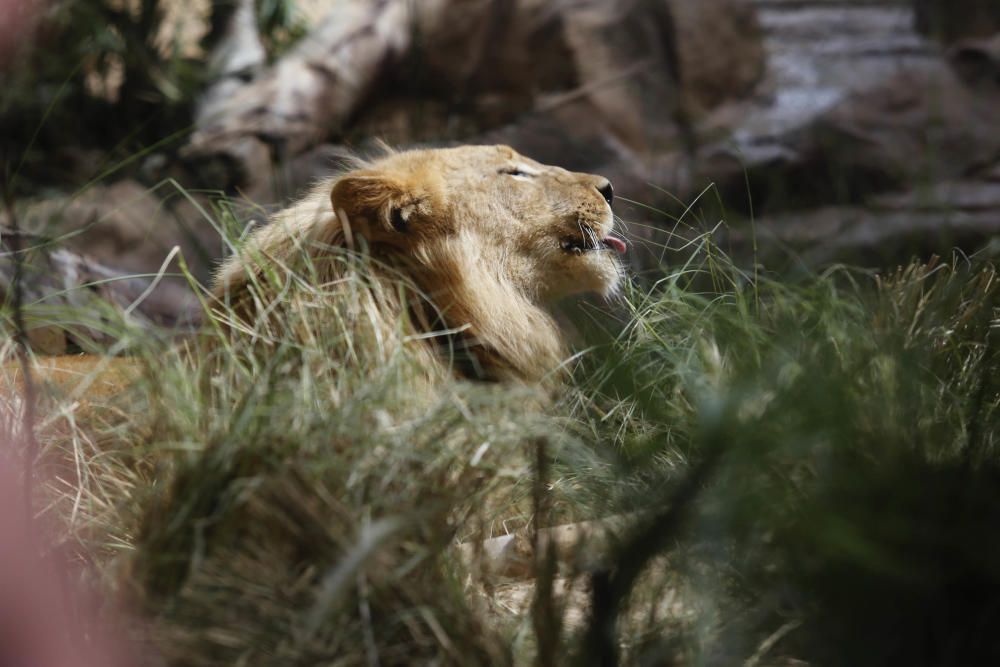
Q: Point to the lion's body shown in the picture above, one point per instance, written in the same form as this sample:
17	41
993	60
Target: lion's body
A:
103	376
484	237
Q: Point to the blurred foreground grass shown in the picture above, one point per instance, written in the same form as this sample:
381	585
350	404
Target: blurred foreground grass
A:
808	470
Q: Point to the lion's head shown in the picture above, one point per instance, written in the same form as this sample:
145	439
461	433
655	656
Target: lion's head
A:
489	236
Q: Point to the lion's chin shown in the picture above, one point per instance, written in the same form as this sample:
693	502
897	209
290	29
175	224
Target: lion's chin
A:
612	286
599	273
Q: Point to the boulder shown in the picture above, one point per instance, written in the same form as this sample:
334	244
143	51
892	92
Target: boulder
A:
127	226
628	73
923	124
864	143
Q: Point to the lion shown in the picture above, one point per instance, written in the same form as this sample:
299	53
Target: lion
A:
490	238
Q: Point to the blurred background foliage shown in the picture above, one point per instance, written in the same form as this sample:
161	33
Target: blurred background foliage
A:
116	77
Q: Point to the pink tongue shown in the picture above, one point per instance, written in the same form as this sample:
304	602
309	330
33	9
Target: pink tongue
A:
616	243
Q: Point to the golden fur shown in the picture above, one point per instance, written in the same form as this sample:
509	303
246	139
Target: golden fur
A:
489	236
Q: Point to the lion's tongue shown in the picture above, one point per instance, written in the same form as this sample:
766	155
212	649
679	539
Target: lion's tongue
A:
615	244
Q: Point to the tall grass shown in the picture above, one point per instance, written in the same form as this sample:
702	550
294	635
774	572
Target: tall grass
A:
843	433
802	469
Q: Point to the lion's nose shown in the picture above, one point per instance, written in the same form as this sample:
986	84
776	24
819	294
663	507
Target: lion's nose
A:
608	192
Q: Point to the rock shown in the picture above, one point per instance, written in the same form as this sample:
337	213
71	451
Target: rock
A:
720	47
124	225
507	48
891	230
864	143
968	196
72	301
922	124
604	70
627	63
872	109
790	143
817	54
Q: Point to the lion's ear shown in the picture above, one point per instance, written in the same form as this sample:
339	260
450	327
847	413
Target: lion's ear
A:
376	204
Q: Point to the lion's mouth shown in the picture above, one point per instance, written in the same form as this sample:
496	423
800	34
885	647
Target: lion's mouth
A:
590	243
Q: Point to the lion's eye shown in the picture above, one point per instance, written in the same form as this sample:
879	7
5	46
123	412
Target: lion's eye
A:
515	171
